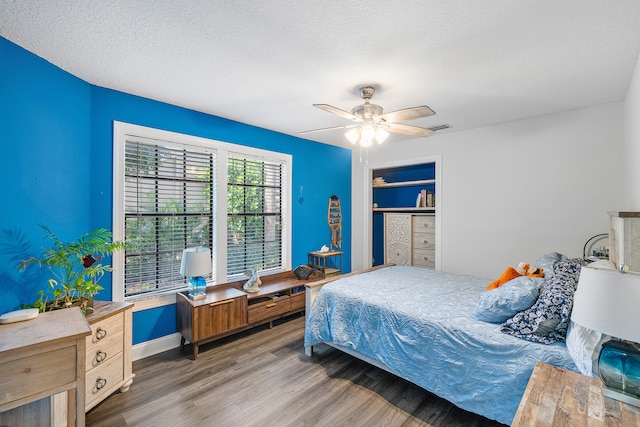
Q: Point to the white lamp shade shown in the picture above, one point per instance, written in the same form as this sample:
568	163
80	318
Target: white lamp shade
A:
608	301
381	135
195	262
353	135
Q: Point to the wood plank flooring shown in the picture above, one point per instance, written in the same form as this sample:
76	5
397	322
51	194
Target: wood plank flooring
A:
262	377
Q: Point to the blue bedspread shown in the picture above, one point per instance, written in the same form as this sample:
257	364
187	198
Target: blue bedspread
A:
419	322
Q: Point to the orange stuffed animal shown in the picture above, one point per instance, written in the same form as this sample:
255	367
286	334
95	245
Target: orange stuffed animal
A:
511	273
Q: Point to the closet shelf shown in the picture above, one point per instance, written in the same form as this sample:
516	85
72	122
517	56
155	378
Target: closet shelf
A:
405	183
404	209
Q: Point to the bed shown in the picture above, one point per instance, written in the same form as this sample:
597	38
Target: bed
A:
419	324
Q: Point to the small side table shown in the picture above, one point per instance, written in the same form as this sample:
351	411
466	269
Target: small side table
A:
555	396
327	263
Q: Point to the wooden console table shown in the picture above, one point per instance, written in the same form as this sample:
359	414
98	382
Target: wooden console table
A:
555	397
227	309
40	358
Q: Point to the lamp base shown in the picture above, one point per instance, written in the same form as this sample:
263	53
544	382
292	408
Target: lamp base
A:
197	288
619	370
620	396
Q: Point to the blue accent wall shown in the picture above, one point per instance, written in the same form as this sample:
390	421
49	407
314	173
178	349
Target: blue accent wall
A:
57	159
44	165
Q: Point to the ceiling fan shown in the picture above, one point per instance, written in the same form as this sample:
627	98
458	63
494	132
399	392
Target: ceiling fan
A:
371	124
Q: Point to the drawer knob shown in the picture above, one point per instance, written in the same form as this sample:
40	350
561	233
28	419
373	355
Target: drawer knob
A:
100	334
270	305
100	356
100	384
426	258
426	242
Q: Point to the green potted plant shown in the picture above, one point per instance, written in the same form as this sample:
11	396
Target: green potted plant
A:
75	268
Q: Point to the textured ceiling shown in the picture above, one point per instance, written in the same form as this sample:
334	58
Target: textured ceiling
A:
475	62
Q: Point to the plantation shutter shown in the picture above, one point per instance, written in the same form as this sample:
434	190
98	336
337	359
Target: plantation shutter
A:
169	192
254	215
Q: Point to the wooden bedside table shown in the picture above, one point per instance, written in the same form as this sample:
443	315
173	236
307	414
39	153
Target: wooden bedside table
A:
318	261
555	397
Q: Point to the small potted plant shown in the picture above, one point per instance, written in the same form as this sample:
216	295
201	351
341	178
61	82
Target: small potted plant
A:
75	268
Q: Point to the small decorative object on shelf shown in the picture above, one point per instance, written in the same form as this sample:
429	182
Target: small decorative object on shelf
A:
303	272
254	282
424	199
196	263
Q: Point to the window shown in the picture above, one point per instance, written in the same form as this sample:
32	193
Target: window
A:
254	215
173	191
168	207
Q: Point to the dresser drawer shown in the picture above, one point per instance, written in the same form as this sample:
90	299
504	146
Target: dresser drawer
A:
105	341
424	223
270	307
424	241
424	258
297	301
104	380
20	375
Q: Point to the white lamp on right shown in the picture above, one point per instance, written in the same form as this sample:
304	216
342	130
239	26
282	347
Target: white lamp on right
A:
608	301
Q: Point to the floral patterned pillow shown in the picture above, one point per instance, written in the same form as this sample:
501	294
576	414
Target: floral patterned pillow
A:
547	320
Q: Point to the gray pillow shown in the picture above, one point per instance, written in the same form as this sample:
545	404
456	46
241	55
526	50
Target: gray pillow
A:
500	304
547	261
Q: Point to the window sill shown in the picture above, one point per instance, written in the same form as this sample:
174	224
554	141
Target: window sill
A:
142	303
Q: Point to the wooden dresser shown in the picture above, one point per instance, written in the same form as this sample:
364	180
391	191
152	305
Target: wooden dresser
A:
557	397
40	358
409	239
108	351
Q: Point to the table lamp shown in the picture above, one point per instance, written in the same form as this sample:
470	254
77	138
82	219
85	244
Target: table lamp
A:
196	263
608	301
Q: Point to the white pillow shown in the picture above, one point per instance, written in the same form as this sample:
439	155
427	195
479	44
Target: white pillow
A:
584	346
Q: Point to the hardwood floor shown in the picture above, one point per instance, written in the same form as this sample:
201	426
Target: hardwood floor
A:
262	377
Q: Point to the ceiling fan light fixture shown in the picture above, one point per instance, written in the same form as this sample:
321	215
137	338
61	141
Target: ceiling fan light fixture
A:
373	124
381	135
367	133
353	135
366	142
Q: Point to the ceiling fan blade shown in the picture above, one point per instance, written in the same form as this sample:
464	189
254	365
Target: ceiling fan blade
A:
331	128
337	111
409	130
407	114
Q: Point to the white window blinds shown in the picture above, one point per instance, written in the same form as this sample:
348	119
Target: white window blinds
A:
169	192
254	215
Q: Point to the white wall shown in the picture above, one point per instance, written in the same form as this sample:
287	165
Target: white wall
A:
514	191
632	141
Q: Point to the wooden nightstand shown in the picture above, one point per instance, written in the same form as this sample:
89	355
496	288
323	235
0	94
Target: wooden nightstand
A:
555	396
326	263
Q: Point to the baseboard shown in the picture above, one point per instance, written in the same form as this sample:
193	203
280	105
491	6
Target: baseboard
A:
158	345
